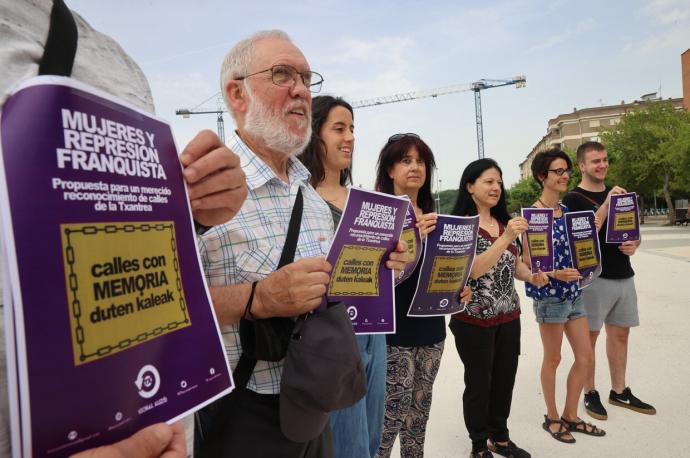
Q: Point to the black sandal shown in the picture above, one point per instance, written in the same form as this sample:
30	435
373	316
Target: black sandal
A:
558	435
579	426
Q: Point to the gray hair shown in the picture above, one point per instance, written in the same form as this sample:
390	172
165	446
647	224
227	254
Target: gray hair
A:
237	60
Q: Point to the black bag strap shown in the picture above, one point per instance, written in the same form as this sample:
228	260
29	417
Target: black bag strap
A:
245	366
61	44
288	254
209	440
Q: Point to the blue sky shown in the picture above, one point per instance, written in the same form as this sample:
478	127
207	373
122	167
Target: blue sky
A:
574	54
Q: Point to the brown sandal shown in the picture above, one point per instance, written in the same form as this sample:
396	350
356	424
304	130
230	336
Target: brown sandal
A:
558	435
579	426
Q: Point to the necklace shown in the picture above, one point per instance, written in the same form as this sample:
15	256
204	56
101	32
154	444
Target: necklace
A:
491	221
557	207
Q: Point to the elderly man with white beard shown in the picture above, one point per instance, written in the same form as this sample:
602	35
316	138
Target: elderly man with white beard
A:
267	83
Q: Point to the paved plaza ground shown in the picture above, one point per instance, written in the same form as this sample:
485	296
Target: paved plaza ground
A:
658	370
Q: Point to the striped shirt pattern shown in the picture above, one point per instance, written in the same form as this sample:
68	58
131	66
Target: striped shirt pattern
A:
248	247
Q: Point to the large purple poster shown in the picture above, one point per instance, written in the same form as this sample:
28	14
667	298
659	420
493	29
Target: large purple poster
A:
539	238
367	233
584	245
114	325
448	257
411	235
623	221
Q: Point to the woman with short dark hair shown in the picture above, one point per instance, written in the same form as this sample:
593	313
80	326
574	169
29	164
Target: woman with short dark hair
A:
558	306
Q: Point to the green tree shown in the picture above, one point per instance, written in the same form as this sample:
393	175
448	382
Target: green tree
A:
650	150
522	194
448	198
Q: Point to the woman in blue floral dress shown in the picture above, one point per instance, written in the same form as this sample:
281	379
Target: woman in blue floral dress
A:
558	307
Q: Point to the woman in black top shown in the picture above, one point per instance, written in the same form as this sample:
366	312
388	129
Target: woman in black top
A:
414	352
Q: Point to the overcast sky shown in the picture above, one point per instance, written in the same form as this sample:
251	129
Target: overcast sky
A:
573	53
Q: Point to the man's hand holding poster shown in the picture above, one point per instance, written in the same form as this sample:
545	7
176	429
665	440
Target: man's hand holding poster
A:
368	232
448	256
539	238
114	326
583	242
623	221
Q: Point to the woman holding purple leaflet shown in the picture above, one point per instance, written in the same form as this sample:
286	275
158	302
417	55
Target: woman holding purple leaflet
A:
328	156
487	331
558	307
414	352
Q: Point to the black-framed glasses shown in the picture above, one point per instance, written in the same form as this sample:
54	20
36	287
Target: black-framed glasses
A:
560	171
396	137
286	76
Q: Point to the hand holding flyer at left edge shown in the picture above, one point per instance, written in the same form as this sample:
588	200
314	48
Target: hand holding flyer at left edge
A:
215	181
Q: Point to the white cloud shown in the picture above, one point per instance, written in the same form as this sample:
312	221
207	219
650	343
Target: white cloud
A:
582	27
665	12
668	27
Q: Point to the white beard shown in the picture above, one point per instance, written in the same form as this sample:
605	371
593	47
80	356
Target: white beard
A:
271	128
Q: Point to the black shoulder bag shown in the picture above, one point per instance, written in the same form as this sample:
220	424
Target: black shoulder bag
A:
262	339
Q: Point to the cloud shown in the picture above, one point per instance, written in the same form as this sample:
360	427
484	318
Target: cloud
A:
580	28
669	21
373	68
182	90
665	12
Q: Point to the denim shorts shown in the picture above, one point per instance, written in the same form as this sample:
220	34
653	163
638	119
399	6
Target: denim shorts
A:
558	310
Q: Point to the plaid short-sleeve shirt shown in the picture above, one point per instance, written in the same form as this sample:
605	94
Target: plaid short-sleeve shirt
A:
248	247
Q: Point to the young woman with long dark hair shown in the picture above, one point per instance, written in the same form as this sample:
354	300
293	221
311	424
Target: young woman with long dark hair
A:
356	430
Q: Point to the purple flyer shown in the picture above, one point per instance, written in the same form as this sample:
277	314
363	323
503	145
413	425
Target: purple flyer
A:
367	233
539	238
114	325
623	221
448	257
413	238
583	241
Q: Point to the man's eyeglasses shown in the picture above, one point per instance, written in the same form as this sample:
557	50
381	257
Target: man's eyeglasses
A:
560	171
286	76
396	137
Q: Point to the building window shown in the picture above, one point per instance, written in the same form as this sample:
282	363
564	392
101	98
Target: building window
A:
594	123
615	121
593	139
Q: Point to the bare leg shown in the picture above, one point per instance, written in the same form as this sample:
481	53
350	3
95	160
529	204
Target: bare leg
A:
552	339
617	353
577	332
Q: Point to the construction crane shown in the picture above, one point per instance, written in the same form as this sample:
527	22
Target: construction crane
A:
477	87
186	113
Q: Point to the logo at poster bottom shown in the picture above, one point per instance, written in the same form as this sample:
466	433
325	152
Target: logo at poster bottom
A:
443	303
148	381
352	312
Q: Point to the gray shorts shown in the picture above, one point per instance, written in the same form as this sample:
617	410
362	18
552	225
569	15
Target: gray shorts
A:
612	302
